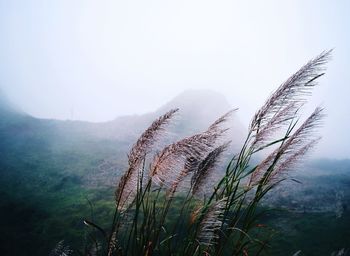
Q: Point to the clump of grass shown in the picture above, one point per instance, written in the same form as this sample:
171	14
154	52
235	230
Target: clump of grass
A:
162	207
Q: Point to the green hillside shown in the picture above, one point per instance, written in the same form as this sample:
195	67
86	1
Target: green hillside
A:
50	170
54	173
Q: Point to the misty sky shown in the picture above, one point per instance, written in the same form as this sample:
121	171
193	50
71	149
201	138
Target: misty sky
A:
95	60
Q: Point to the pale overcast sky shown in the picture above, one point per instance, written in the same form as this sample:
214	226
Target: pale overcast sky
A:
95	60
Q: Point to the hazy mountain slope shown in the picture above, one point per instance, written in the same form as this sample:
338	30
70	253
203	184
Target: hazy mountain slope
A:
198	108
323	186
30	142
49	167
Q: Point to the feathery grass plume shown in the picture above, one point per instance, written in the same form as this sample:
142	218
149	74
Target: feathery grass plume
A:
211	222
129	181
61	250
306	130
292	161
170	166
282	104
218	122
191	164
148	137
205	168
278	121
113	244
292	149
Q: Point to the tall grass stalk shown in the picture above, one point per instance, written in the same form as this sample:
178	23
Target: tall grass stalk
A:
161	204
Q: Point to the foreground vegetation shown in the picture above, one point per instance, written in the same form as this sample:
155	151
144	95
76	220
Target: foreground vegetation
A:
162	206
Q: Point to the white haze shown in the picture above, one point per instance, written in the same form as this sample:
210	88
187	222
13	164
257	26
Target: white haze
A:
95	60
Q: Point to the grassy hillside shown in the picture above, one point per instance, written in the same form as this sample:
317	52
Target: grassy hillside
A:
50	170
53	174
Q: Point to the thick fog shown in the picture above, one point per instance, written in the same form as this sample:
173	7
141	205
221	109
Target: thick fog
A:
95	60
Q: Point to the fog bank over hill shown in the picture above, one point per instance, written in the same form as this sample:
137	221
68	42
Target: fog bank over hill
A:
98	151
197	110
92	62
